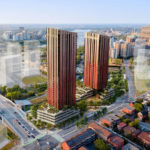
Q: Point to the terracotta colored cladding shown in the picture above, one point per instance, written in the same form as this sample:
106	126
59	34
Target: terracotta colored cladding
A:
61	61
96	60
65	146
104	121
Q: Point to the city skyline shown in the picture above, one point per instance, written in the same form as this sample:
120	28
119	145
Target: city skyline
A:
57	12
75	75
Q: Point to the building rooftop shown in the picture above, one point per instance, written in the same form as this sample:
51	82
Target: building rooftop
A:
145	136
23	102
129	107
116	140
130	147
111	118
80	137
82	148
100	129
129	129
121	125
119	113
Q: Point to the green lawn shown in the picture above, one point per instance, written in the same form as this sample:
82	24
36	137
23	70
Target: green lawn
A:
34	80
39	100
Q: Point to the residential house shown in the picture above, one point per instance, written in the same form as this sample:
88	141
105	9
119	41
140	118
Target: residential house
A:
100	131
83	138
116	142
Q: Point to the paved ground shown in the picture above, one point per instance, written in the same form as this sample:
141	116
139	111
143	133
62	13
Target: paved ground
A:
145	126
45	143
131	87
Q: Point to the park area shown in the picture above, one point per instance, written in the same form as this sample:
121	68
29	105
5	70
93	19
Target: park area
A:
34	80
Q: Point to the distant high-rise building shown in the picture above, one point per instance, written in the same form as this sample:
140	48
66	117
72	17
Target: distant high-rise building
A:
61	60
126	50
96	60
145	33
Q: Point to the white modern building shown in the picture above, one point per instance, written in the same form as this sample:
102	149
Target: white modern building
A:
19	61
142	66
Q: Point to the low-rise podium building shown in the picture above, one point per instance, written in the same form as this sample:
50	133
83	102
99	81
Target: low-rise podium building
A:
57	117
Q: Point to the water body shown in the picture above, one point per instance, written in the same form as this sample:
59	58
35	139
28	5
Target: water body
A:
81	35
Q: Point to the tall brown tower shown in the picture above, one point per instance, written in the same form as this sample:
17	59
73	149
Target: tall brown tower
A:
96	60
61	61
145	33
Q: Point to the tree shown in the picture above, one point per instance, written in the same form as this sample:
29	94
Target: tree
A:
95	116
42	124
126	120
34	110
139	100
101	145
31	93
85	120
148	103
77	123
98	103
34	122
134	123
3	90
126	85
149	116
91	103
138	107
131	61
48	125
29	117
65	107
16	88
81	121
104	110
8	95
82	105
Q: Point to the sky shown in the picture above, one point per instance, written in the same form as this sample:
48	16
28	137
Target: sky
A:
74	11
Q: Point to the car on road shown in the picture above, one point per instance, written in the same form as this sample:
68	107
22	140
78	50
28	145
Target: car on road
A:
32	136
19	122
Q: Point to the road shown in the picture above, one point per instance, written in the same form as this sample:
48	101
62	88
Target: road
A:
30	137
12	117
131	92
145	126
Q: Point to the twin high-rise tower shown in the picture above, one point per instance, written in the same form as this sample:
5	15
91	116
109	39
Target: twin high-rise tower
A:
61	60
96	60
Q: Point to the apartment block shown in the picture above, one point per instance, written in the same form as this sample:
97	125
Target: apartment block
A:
96	60
61	62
